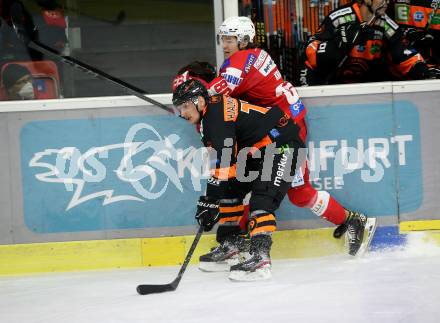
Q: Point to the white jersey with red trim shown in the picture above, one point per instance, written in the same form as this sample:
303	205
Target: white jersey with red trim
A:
253	76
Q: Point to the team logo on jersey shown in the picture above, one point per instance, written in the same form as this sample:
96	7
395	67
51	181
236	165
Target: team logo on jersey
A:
419	16
296	108
249	62
230	109
283	120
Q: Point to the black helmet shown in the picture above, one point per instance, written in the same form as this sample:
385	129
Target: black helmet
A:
189	90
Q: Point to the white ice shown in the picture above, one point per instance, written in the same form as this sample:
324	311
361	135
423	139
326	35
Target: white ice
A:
386	286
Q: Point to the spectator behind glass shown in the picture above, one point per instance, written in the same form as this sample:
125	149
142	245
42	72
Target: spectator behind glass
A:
15	20
17	81
354	44
51	25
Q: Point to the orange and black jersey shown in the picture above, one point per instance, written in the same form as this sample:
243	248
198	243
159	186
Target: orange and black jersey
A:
418	15
382	39
228	125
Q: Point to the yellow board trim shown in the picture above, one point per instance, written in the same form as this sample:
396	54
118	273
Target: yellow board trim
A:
421	225
131	253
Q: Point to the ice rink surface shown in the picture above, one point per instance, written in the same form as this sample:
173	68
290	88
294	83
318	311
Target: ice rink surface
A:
386	286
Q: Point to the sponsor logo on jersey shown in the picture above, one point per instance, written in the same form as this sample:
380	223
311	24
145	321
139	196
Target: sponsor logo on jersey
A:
230	109
419	16
349	18
260	59
281	165
214	181
268	66
341	12
249	62
360	48
274	133
298	178
378	35
390	23
409	52
375	49
296	108
401	13
232	76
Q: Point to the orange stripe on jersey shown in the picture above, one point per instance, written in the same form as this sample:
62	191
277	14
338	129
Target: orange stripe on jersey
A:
260	144
357	11
225	173
311	50
406	66
247	107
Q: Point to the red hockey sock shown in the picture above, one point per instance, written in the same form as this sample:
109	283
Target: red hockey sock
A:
244	218
334	213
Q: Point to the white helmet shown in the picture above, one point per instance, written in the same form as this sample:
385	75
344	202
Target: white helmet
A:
239	27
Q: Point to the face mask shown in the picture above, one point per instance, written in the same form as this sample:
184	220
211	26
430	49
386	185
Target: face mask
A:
27	92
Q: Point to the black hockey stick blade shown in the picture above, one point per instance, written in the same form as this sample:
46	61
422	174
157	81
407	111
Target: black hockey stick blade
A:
146	289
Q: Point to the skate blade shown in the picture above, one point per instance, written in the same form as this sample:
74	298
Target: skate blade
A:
370	229
263	273
211	267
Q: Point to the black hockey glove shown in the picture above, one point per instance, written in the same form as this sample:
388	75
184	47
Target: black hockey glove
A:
347	36
418	38
208	212
420	71
434	73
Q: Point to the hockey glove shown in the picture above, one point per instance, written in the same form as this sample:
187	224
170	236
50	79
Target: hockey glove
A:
418	38
347	36
434	73
208	212
420	71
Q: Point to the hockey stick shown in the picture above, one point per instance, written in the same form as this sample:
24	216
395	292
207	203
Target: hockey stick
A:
93	71
146	289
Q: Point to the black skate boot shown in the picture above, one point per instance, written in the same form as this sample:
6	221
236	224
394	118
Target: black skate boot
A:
222	257
355	231
258	265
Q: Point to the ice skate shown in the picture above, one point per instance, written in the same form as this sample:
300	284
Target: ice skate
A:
225	255
370	229
356	224
258	265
